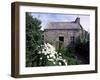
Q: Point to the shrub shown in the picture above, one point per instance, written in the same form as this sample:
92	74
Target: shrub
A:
70	57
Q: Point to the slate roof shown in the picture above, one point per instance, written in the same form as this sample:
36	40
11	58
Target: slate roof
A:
63	25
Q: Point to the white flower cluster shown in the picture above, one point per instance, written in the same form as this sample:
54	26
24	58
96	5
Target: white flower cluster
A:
52	54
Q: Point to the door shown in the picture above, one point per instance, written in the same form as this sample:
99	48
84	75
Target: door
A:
61	41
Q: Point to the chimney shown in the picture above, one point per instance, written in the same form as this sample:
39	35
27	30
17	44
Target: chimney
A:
77	20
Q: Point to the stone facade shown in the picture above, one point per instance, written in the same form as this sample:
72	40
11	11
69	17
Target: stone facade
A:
61	34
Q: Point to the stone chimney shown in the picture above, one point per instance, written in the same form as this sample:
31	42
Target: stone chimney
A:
77	20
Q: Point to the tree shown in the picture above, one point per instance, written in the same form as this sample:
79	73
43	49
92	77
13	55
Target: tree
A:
82	47
33	41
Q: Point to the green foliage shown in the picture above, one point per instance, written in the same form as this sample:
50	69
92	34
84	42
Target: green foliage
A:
33	41
72	61
68	55
82	48
50	63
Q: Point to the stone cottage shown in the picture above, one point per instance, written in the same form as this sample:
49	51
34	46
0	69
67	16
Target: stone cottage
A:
61	34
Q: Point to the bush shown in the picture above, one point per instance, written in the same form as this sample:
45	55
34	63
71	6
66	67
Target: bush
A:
70	57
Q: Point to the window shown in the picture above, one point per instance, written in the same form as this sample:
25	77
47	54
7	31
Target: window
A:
72	38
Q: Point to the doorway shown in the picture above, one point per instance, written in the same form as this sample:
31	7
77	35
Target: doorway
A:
61	41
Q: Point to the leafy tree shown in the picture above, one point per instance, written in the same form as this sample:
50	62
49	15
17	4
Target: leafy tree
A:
82	48
33	41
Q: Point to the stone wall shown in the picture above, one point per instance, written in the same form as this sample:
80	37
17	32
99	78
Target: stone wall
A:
52	36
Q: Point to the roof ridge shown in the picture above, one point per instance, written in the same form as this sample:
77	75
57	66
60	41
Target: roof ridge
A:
62	22
64	25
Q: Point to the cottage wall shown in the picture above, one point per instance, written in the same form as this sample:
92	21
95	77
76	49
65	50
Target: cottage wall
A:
52	36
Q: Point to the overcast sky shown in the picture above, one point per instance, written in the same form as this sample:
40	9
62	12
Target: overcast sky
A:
52	17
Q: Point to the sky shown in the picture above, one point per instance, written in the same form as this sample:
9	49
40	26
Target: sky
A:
56	17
